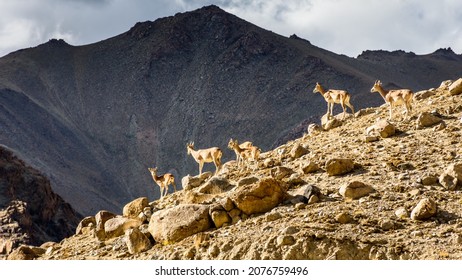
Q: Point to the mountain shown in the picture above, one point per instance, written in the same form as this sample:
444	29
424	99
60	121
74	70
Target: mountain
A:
30	212
93	118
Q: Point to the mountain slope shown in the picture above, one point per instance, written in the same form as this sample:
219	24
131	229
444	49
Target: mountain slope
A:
30	212
94	117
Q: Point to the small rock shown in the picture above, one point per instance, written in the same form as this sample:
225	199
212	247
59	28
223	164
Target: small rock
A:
339	166
331	123
298	151
285	240
452	176
310	167
382	128
440	126
429	180
300	206
273	216
343	218
426	119
281	172
369	139
386	224
402	213
416	233
425	209
314	129
414	192
313	199
355	190
290	230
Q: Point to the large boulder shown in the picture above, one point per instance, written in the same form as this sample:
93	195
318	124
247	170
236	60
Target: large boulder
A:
134	208
26	252
176	223
339	166
456	87
101	218
117	226
215	185
85	222
259	197
137	241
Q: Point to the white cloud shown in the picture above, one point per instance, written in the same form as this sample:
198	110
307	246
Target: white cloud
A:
342	26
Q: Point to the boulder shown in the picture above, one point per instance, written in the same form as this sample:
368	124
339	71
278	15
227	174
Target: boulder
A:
259	197
451	178
117	226
134	208
328	124
85	222
219	215
136	241
304	194
298	151
456	87
215	185
382	128
101	218
355	190
190	182
426	119
26	252
339	166
280	172
425	209
310	167
176	223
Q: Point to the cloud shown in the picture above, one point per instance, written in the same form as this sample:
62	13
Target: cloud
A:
342	26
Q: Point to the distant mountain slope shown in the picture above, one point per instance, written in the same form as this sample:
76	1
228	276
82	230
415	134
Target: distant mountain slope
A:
30	212
94	117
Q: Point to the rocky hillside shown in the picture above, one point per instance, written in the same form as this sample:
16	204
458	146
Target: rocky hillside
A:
358	188
30	212
93	118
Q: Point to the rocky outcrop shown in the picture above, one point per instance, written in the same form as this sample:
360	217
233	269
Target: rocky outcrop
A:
456	87
176	223
30	212
259	197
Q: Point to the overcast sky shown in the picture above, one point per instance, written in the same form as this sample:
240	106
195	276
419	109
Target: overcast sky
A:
342	26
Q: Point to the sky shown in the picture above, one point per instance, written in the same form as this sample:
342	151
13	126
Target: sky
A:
342	26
